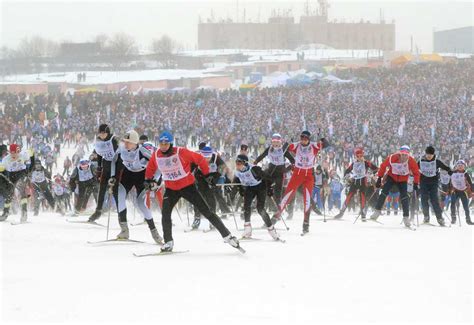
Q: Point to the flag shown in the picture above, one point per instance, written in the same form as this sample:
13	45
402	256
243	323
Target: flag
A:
365	128
400	130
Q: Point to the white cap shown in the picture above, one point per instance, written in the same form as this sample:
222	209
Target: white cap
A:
132	137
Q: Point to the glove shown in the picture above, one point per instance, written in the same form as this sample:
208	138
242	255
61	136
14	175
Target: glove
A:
270	191
210	180
378	184
228	190
112	181
151	185
98	173
416	188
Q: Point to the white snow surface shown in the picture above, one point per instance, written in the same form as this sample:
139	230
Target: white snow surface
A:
339	272
107	77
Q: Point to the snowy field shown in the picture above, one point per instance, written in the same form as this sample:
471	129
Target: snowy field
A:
339	272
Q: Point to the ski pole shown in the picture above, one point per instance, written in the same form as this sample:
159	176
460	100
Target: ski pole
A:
281	218
233	211
110	208
447	217
187	213
416	209
367	202
179	214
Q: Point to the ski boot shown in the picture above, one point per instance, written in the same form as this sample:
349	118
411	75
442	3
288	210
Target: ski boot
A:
247	230
375	215
396	212
340	214
453	220
167	247
388	213
156	236
4	216
317	211
363	216
273	233
305	227
124	234
95	216
426	220
196	223
60	210
24	213
441	222
469	221
407	222
232	241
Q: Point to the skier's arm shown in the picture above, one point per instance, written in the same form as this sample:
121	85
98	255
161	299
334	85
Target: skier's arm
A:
196	158
383	167
414	169
348	169
99	161
73	180
440	164
468	180
114	166
288	155
221	166
151	167
258	173
262	156
145	153
372	166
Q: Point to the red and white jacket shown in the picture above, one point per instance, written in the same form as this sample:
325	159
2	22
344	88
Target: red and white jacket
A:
305	157
175	167
399	172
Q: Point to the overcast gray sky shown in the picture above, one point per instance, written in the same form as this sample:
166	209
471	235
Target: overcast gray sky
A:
145	20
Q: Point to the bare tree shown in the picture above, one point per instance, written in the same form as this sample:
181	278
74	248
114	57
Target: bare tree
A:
164	49
37	47
122	47
101	39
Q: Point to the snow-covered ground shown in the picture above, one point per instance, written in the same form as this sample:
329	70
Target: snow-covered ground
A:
340	271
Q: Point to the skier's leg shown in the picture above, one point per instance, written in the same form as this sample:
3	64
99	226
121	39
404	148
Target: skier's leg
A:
170	199
190	193
261	194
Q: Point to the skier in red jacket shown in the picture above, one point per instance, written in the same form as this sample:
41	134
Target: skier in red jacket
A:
174	164
305	153
397	167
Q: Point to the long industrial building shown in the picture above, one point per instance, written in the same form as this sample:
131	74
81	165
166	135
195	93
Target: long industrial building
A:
282	32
